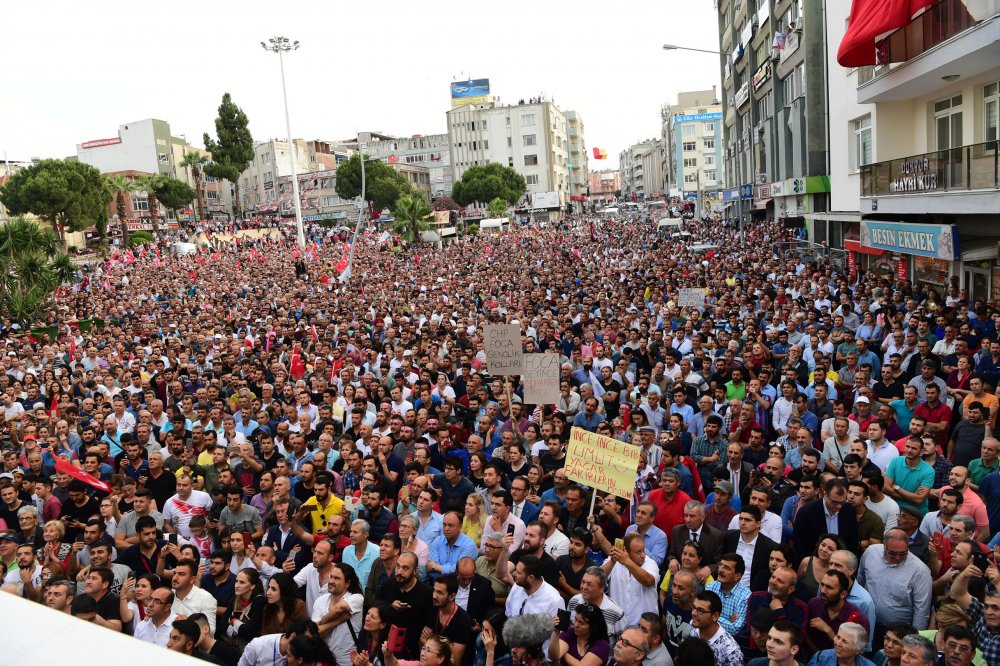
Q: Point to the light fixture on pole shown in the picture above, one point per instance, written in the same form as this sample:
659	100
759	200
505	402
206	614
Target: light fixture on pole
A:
739	160
282	45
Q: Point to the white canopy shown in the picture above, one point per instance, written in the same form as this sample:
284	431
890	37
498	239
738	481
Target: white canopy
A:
493	223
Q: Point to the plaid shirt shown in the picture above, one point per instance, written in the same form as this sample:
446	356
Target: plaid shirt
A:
987	642
734	606
942	469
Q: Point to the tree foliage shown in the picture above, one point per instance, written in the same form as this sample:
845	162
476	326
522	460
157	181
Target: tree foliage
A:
71	194
383	184
174	193
31	268
232	150
140	238
120	187
196	162
148	183
444	203
497	208
413	216
483	183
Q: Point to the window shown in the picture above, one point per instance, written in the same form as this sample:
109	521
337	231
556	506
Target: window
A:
862	142
710	144
690	145
688	130
531	179
528	139
531	160
211	195
510	142
709	175
794	84
691	178
709	160
528	120
164	159
140	203
765	106
484	124
991	101
690	162
708	128
486	144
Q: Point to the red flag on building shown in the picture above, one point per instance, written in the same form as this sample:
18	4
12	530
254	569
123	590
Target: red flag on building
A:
871	19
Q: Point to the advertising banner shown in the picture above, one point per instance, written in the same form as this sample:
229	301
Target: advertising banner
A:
541	379
502	345
923	240
473	91
603	463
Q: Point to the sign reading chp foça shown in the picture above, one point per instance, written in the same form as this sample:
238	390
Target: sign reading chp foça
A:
502	346
602	463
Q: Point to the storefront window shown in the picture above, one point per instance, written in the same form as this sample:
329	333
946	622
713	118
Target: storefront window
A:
930	270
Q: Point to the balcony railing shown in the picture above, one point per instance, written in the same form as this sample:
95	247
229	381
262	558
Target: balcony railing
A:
938	24
975	167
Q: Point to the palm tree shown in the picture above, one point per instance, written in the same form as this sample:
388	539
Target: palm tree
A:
148	183
194	161
31	268
413	216
497	208
121	187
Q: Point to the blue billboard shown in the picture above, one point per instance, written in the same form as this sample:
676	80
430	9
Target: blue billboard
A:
473	91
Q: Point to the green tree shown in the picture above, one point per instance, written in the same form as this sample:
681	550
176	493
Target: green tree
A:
483	183
31	268
232	150
497	208
140	238
383	184
174	193
148	183
196	163
413	216
67	195
121	187
444	203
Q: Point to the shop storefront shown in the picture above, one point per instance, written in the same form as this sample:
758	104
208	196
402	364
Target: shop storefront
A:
924	253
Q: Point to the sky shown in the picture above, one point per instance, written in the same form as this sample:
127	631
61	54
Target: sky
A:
75	71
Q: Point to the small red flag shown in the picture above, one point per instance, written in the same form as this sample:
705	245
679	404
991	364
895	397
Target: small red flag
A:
80	475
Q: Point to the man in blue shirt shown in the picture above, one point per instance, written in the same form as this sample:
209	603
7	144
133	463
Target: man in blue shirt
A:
450	547
589	418
454	487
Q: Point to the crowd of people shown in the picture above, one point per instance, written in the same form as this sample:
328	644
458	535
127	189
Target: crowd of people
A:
254	462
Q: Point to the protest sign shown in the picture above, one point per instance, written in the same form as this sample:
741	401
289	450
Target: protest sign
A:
603	463
541	379
691	297
502	345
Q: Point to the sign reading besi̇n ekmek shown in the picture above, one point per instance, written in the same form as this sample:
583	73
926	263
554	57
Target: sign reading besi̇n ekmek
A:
502	346
541	379
604	463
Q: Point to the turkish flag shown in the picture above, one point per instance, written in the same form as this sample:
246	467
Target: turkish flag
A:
871	19
342	264
80	475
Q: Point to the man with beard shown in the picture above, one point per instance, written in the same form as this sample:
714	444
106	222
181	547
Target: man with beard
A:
327	504
410	600
449	620
830	610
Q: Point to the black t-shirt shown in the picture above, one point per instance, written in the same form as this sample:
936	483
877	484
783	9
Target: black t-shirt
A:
895	391
573	578
550	570
225	653
550	464
611	409
109	607
413	618
162	487
80	513
458	629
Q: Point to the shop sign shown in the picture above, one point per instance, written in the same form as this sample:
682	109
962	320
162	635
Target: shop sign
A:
778	189
916	175
923	240
901	269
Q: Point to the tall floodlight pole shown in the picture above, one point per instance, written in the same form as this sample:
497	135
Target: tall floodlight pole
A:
282	45
739	157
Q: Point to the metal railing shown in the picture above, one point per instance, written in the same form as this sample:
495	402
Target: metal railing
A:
809	252
936	25
974	167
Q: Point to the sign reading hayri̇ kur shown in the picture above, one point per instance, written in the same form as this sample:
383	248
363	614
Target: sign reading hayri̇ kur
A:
924	240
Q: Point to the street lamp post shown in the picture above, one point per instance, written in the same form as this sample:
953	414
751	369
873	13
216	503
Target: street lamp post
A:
282	45
739	158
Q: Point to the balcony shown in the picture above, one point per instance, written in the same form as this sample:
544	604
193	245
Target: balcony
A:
925	183
951	38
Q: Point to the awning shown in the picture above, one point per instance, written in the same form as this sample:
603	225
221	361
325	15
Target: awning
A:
870	19
856	246
761	204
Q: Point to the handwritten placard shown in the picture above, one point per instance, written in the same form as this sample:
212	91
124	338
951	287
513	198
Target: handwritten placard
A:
502	345
600	462
691	297
541	379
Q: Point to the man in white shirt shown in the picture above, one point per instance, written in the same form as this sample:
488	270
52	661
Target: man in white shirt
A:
160	616
880	450
184	505
632	576
316	576
556	543
501	518
189	599
770	524
27	577
337	613
531	595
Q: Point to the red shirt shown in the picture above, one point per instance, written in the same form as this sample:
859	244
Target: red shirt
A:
936	415
668	514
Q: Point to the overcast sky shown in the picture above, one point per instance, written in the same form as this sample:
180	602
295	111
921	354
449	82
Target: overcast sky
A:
75	71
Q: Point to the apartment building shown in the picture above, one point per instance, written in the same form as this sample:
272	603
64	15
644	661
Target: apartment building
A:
425	159
691	131
641	167
604	185
271	162
919	140
533	137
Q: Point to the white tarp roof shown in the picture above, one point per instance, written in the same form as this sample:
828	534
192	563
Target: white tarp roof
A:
666	222
36	634
493	223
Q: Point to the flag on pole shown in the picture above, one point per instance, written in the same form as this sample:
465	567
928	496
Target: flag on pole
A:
78	474
600	154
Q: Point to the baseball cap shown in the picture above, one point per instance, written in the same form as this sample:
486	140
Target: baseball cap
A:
862	398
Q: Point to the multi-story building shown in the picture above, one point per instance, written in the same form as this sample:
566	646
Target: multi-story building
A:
919	138
578	161
532	137
605	185
693	146
271	161
775	142
641	168
317	195
149	147
424	159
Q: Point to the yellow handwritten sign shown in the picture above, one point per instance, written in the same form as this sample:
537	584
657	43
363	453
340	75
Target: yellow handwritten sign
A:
600	462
